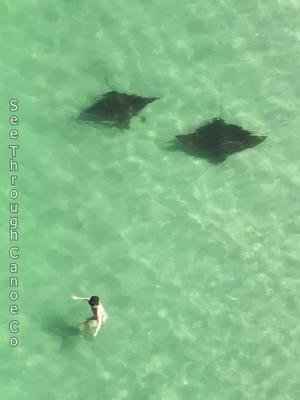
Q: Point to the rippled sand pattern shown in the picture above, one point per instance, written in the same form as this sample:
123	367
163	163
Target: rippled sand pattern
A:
196	264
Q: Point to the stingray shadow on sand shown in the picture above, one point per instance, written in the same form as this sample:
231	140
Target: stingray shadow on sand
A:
115	109
216	141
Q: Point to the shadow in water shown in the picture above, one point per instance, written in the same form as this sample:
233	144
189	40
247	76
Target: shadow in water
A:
68	335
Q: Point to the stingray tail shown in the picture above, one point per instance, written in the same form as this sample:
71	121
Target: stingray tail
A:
106	79
221	110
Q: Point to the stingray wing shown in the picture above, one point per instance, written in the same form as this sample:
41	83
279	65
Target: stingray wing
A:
115	108
255	140
231	147
192	140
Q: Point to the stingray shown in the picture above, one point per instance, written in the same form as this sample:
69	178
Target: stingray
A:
217	140
116	109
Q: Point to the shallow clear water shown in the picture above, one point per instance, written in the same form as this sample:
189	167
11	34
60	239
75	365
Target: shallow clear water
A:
197	265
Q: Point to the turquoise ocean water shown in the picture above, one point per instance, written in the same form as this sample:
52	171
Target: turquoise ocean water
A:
197	265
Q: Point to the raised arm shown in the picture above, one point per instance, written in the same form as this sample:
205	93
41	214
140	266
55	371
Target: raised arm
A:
79	298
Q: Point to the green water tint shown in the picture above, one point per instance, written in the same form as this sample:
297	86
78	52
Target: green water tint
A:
196	265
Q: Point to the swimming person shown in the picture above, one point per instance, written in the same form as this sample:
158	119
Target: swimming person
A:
99	314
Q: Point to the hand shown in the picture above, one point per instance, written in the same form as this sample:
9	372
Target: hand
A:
97	329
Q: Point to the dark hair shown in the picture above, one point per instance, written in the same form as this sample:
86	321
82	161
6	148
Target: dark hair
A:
94	301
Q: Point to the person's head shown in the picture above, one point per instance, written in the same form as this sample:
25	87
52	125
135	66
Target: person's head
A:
94	301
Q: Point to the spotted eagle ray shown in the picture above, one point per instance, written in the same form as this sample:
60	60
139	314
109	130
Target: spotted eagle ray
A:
217	140
116	109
